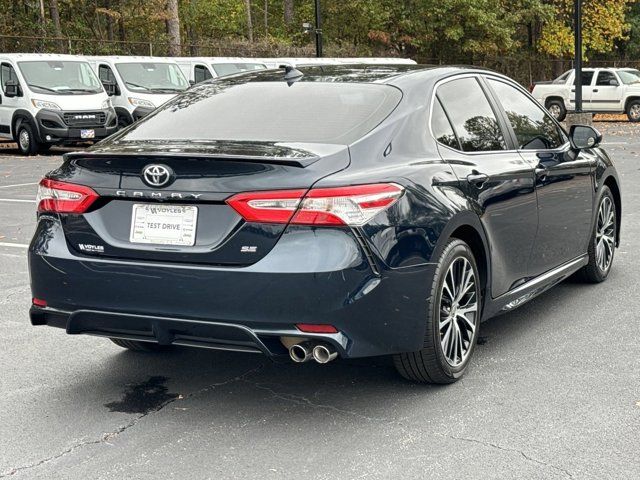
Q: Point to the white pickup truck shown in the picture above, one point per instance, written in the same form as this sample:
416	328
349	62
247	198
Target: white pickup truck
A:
604	90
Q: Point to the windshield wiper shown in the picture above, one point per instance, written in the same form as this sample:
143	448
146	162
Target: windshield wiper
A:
136	85
81	90
166	89
43	88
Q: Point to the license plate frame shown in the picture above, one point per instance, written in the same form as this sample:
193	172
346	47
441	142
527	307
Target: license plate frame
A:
164	224
87	133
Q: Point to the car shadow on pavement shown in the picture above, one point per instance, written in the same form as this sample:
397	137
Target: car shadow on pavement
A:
247	385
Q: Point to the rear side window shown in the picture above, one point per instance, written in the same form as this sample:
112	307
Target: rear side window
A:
309	112
441	128
471	115
534	128
587	77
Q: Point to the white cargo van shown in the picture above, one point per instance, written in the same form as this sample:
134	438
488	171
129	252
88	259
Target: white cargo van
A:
50	99
137	85
199	69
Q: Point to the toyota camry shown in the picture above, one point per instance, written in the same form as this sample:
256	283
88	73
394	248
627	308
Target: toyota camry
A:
324	212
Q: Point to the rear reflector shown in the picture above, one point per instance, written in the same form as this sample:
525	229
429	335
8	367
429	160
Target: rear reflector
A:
316	328
61	197
38	302
354	205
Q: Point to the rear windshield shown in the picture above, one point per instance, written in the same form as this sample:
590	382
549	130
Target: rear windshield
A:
307	112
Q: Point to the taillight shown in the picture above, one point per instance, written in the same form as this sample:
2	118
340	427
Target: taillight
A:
353	206
61	197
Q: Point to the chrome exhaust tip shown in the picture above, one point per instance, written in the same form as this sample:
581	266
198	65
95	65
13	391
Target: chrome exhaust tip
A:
301	352
324	353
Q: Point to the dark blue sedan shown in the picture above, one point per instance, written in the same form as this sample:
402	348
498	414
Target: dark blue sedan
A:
324	212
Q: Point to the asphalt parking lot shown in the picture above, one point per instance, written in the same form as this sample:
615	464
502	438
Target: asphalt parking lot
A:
553	392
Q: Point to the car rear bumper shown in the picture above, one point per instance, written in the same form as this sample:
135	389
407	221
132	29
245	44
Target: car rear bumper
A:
234	308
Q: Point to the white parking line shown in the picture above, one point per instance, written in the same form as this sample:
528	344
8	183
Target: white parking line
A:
14	245
18	185
19	200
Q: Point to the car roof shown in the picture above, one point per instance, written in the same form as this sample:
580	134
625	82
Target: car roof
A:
355	73
130	59
42	56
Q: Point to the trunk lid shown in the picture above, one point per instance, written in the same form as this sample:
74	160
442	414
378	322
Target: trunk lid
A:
202	176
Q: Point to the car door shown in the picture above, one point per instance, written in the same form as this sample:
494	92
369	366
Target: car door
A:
564	186
498	182
606	93
8	105
587	89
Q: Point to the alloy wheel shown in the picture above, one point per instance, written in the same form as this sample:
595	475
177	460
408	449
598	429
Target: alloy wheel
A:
458	311
605	234
634	111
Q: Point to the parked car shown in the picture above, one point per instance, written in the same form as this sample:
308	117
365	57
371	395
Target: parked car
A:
137	85
604	90
325	212
51	100
199	69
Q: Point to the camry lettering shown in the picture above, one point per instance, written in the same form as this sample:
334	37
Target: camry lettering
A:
158	195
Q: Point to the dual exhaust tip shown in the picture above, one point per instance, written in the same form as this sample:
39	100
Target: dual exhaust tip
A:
305	351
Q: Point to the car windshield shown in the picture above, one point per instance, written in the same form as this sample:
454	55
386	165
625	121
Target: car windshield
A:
152	77
223	69
305	112
629	77
55	77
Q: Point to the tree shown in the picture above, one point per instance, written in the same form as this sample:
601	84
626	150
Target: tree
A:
603	24
173	28
249	20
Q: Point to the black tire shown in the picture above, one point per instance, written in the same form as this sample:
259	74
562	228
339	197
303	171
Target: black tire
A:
633	111
123	122
593	272
137	346
557	109
27	142
430	364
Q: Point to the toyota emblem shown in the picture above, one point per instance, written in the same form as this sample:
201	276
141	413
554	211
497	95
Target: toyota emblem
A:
157	175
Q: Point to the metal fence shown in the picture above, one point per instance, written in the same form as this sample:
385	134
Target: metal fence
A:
85	46
525	68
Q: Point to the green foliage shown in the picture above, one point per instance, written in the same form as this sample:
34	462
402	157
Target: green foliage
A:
434	30
604	23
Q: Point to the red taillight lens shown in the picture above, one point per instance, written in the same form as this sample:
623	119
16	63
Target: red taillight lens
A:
316	328
38	302
61	197
353	206
267	207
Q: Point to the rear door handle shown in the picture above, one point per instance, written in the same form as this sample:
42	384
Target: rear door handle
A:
595	89
478	179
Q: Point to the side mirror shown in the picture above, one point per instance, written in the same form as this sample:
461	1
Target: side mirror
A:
109	87
613	82
584	136
12	89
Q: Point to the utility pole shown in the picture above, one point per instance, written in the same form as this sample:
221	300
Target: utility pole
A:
318	30
577	30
